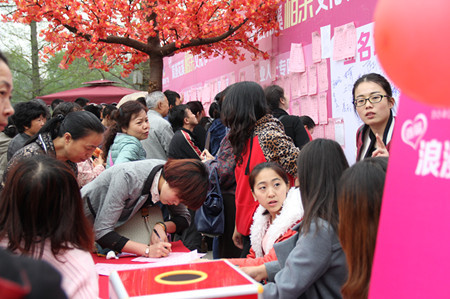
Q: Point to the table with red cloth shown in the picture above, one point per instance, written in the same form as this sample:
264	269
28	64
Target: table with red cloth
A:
103	281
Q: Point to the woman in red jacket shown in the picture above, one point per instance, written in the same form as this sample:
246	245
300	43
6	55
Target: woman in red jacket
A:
256	137
278	211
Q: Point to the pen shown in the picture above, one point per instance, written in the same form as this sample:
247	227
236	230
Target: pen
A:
156	232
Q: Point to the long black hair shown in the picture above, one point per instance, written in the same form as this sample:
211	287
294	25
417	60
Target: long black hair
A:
320	165
243	106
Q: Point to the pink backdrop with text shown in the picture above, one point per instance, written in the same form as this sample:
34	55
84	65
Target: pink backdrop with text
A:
412	254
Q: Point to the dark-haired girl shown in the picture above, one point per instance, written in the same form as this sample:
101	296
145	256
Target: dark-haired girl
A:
280	208
256	137
311	264
123	140
373	101
71	139
41	215
359	201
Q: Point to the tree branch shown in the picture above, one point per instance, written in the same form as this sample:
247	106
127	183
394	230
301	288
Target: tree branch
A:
170	48
132	43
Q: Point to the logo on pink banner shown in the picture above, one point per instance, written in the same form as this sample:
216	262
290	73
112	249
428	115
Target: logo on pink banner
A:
412	256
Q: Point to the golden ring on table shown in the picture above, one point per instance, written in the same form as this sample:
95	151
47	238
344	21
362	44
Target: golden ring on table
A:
181	277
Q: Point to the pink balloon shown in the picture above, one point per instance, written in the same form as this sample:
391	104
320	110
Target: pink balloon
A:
412	39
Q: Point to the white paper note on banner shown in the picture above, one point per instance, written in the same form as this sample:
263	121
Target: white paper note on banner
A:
325	41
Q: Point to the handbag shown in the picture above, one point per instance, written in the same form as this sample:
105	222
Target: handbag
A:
210	218
139	227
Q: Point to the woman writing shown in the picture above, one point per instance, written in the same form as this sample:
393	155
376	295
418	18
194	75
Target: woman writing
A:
70	139
41	215
373	101
120	192
256	137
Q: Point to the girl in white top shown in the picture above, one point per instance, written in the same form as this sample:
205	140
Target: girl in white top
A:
41	215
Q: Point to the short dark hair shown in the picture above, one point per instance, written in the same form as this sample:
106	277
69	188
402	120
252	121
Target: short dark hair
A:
271	165
196	107
93	108
65	108
142	101
214	110
108	109
177	115
273	95
190	177
41	201
320	164
81	101
172	97
307	121
55	103
25	113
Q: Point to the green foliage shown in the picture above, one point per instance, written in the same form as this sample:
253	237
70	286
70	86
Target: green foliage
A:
55	79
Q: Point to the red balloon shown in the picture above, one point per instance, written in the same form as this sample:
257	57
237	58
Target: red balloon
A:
412	40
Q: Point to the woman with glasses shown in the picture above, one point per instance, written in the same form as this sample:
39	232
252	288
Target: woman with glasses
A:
373	101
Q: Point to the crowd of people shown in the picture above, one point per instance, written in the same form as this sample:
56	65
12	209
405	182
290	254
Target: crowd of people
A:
297	217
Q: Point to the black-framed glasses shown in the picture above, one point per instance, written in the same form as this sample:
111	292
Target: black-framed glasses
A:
376	98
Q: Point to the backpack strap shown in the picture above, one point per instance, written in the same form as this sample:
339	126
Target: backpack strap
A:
208	140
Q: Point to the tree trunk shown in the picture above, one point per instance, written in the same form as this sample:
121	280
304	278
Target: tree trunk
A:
156	73
35	77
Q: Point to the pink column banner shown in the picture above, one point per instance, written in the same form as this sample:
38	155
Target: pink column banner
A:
412	257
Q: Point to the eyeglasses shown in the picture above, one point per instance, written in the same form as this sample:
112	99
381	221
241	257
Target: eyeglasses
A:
376	98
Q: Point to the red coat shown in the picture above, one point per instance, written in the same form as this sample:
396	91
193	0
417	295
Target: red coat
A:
270	143
265	233
252	260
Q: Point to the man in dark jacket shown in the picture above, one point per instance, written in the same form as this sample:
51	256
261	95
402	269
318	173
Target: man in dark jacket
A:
183	144
278	105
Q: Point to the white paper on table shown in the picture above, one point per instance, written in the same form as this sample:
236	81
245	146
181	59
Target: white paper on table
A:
178	258
173	256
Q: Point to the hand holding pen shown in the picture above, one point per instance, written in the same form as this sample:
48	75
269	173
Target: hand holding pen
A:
159	237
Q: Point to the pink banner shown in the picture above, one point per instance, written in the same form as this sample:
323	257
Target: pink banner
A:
413	245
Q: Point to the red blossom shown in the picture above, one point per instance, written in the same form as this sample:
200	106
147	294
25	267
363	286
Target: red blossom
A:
125	32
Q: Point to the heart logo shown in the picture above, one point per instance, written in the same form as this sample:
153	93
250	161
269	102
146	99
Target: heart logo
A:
414	130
